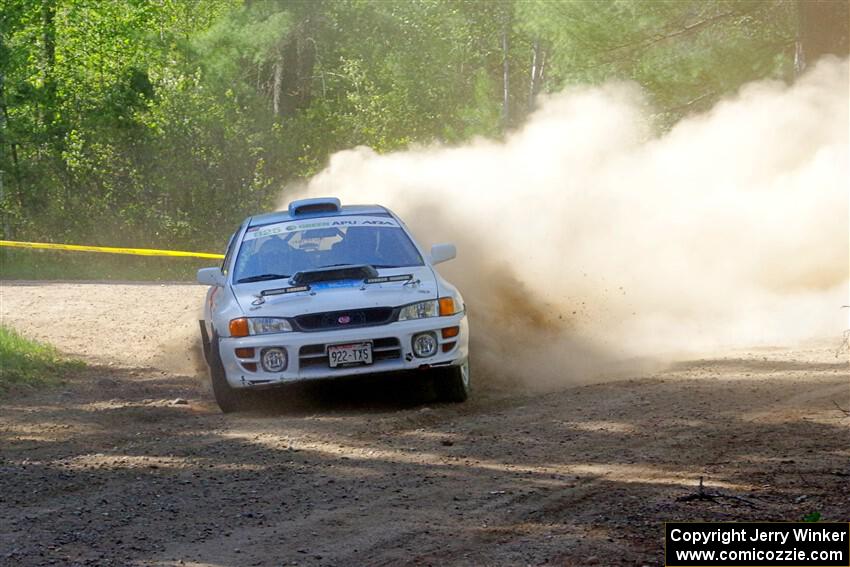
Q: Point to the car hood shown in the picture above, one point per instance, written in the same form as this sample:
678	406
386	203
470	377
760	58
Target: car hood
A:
337	295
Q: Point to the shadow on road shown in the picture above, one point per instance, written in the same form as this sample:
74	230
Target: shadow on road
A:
138	467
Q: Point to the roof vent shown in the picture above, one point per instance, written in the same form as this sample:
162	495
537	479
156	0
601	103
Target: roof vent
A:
310	206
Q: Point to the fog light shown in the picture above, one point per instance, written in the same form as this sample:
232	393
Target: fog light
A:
274	359
424	345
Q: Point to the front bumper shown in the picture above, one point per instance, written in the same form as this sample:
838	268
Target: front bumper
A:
307	352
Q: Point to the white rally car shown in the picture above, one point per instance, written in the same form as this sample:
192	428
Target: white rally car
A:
323	291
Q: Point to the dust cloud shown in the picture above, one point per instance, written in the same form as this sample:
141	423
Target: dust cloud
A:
587	243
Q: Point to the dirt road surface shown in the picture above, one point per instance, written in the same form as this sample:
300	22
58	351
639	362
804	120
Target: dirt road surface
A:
130	463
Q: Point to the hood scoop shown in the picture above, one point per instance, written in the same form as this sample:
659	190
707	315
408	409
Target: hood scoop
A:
334	273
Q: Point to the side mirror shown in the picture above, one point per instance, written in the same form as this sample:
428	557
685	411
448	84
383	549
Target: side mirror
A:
210	276
442	253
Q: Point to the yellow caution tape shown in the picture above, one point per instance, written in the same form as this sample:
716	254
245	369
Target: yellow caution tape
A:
110	250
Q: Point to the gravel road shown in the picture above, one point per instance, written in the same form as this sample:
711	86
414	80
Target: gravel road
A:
129	462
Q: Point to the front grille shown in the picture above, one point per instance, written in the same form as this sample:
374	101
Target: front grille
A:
344	319
311	356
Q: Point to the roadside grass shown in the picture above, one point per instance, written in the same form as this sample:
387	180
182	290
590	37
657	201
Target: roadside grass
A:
26	364
23	264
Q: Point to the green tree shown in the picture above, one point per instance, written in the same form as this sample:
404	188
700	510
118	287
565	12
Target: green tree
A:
158	123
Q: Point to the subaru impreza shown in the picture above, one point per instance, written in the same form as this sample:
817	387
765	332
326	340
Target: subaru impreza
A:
324	291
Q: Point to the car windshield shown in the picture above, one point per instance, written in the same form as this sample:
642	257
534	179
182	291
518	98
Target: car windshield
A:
283	249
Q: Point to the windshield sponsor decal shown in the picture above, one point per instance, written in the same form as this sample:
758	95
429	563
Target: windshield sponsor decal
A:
340	222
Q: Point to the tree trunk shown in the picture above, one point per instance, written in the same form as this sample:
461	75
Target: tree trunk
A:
6	139
538	64
293	70
48	33
277	85
532	88
506	108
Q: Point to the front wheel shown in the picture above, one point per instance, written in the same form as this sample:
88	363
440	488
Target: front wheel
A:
452	383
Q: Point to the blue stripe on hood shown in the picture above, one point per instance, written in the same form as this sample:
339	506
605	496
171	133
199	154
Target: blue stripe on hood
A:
333	284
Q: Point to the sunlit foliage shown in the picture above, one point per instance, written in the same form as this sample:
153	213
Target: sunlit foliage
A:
162	123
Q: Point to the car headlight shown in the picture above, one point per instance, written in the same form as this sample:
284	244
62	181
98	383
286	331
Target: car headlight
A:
419	310
245	326
432	308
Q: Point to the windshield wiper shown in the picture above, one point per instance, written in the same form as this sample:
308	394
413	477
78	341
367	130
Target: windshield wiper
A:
262	278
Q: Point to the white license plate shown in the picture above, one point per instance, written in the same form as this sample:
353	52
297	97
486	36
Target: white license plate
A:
355	353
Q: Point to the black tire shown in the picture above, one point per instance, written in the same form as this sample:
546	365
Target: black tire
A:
452	383
228	399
